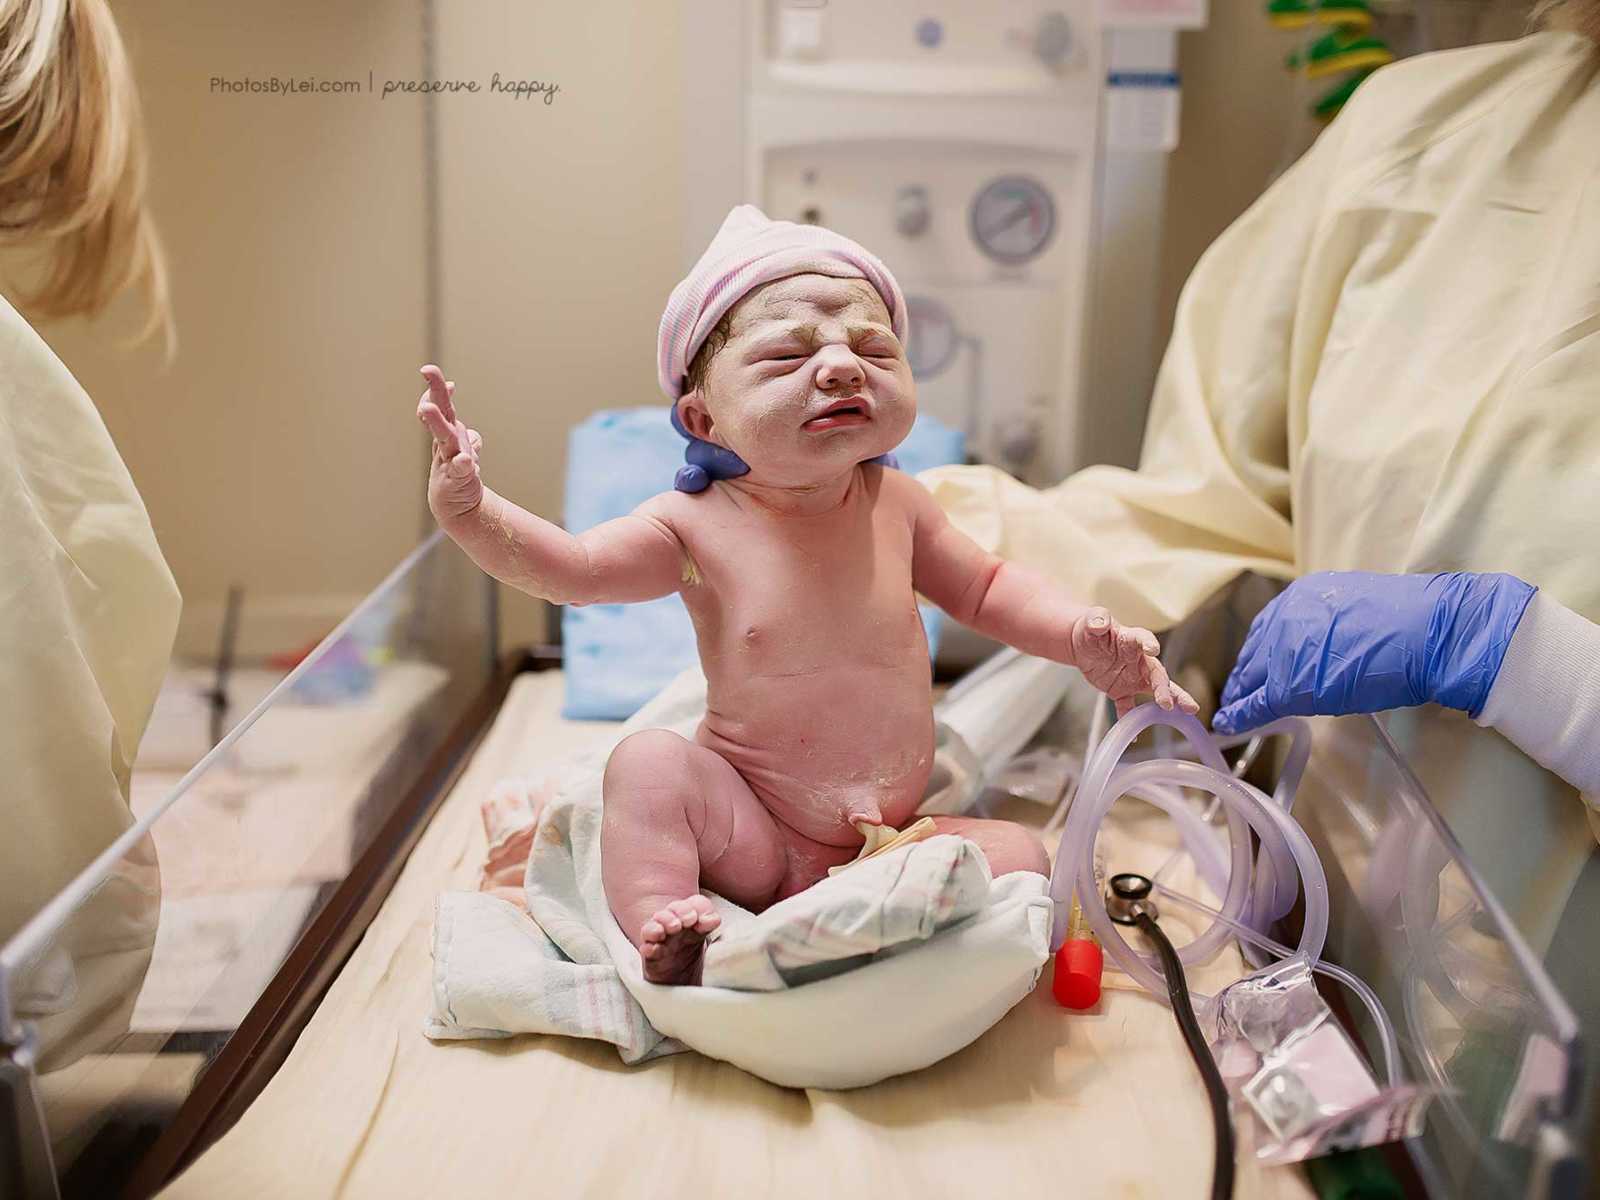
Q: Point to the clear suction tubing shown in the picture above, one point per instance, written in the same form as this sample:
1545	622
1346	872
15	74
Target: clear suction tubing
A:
1288	1063
1255	892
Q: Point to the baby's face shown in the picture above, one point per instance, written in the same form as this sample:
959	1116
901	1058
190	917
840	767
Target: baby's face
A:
812	380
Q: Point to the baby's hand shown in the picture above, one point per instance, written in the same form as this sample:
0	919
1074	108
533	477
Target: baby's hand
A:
1121	661
455	482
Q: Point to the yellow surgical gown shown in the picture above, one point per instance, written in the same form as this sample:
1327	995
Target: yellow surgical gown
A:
1391	362
88	612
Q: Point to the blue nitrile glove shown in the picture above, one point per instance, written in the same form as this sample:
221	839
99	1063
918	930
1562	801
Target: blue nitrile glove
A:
1351	641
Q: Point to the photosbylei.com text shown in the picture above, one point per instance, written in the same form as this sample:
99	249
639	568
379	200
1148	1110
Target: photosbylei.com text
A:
310	85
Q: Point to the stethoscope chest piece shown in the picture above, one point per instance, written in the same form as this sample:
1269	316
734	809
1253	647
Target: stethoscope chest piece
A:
1127	897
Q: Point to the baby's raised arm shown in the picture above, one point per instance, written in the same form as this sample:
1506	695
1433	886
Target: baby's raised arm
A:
636	557
1023	608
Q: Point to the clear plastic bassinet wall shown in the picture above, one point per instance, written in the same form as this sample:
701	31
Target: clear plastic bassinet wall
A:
135	1003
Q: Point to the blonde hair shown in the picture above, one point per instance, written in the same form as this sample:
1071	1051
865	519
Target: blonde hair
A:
73	162
1581	16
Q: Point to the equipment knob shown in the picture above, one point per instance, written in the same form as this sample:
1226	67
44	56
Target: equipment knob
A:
1052	40
911	210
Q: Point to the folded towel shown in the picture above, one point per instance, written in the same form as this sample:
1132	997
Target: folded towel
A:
906	895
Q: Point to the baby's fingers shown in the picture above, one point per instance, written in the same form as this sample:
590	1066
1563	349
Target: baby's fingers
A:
1091	634
444	433
462	466
440	392
1186	702
1129	644
1159	685
1168	694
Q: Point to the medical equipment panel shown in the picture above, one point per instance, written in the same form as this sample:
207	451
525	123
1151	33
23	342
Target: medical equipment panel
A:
958	141
984	276
963	144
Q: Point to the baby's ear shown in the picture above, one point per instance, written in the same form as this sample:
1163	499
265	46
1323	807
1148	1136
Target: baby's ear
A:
694	414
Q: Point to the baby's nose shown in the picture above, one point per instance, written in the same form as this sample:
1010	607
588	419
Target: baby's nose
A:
837	367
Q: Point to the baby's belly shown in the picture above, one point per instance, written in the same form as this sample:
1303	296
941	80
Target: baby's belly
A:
823	749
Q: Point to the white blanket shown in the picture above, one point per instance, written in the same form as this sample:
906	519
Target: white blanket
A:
885	968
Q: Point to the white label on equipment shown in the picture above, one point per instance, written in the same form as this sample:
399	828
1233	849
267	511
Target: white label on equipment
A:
1153	14
1142	110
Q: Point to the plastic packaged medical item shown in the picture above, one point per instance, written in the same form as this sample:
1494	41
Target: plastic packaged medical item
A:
988	717
999	706
1043	775
1306	1087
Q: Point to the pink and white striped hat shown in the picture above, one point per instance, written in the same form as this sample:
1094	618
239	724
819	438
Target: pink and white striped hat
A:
748	251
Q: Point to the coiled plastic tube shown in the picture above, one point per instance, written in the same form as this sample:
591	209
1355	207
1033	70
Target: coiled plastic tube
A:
1251	897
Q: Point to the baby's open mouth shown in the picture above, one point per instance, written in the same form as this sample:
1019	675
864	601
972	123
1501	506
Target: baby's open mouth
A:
840	414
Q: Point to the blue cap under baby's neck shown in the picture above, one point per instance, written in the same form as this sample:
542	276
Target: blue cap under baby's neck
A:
705	462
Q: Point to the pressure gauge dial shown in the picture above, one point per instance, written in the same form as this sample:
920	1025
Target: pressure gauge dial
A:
932	337
1013	219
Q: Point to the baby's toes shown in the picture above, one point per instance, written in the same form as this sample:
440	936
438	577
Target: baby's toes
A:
685	911
671	942
697	913
669	919
707	920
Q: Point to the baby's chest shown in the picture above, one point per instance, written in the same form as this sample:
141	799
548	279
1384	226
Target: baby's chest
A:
767	584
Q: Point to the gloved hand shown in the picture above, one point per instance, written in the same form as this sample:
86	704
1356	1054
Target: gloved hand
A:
1351	641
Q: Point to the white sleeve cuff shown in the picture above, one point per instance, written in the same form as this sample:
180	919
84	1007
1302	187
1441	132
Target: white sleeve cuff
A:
1546	699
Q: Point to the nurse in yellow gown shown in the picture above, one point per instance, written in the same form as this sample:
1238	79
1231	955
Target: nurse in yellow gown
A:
88	608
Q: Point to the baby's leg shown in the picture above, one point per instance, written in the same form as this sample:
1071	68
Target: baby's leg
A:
1007	845
677	814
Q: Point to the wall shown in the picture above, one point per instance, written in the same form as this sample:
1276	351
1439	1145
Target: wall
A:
279	449
561	232
271	449
1237	124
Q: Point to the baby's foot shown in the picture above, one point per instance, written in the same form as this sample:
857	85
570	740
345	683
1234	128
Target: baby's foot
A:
671	941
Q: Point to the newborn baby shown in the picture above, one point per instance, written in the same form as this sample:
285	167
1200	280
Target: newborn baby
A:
800	559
